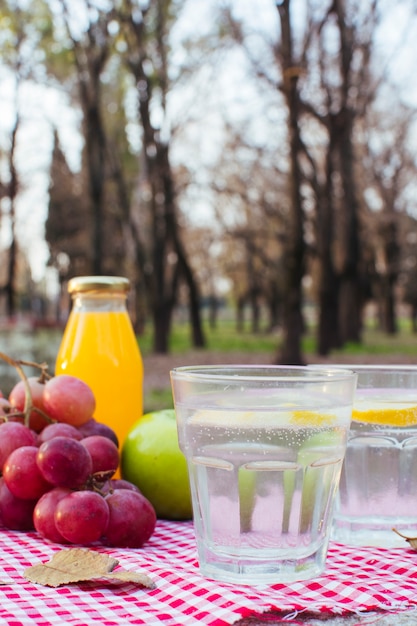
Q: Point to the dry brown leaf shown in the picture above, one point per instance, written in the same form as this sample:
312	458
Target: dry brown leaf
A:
411	540
79	564
131	577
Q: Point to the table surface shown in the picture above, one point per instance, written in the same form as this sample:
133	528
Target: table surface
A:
408	618
365	585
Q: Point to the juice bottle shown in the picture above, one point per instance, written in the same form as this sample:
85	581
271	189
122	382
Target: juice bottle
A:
99	346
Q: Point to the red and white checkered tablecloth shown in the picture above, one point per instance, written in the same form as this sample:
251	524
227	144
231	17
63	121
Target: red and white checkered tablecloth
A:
355	580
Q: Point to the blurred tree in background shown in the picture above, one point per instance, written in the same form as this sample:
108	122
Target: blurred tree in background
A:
265	155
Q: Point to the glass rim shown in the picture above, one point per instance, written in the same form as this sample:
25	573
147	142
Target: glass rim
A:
361	367
261	373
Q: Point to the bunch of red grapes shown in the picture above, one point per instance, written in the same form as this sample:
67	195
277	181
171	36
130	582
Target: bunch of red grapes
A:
57	467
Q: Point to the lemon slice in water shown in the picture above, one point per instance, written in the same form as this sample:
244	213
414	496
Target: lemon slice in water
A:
302	418
400	416
312	419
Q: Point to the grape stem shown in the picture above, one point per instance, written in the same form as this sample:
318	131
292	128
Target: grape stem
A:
97	481
17	364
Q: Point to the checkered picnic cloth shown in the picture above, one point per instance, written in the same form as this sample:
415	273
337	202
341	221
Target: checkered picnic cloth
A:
355	580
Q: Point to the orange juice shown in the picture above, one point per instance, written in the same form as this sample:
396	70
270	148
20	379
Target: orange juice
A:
99	346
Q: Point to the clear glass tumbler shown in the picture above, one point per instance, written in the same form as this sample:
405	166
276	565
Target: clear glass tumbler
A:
378	486
264	446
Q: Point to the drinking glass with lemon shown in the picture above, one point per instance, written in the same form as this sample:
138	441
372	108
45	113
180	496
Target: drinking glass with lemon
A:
264	448
378	486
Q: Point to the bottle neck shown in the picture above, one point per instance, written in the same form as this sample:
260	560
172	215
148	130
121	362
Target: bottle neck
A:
99	302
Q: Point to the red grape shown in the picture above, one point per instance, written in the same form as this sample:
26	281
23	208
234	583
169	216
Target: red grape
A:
43	514
68	399
118	483
14	435
17	399
92	427
103	451
82	517
22	475
15	513
59	429
64	462
132	519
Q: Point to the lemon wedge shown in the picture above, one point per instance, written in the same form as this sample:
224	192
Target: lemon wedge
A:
395	416
311	418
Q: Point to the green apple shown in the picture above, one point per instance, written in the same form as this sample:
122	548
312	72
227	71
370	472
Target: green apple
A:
152	460
247	495
320	482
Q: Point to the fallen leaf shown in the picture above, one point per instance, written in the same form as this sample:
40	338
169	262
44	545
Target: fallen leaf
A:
132	577
411	540
79	564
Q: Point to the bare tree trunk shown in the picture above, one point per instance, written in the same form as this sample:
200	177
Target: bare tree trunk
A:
386	305
256	311
194	300
13	187
328	323
295	249
90	59
142	279
350	302
388	232
162	281
413	316
254	288
240	313
183	264
213	304
274	304
328	327
350	297
95	142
